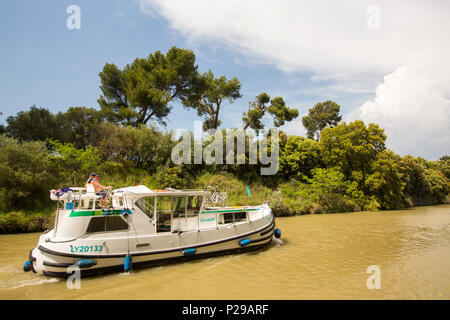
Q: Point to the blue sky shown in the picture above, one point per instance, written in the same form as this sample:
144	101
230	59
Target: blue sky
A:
45	63
42	62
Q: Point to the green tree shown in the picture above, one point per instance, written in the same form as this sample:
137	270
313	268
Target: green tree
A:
384	182
258	108
241	162
439	185
116	144
320	116
444	166
151	148
36	124
132	147
209	96
26	174
298	157
81	124
144	89
416	187
332	192
172	177
425	181
353	148
73	165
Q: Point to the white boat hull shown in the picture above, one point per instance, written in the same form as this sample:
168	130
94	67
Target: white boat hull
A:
57	258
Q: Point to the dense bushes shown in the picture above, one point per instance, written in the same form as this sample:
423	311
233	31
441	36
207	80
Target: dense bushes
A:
14	222
349	169
299	157
73	165
26	174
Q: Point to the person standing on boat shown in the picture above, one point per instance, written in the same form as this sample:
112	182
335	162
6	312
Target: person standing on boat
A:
99	189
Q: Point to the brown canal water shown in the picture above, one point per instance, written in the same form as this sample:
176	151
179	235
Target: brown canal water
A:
318	257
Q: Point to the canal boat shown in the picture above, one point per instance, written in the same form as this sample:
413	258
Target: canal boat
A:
143	227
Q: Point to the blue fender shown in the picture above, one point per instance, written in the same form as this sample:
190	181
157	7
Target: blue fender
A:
86	263
27	266
128	263
277	233
189	251
244	242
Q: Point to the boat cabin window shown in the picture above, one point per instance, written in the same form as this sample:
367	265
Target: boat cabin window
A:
106	223
194	204
179	206
240	216
176	207
163	213
186	206
231	217
147	205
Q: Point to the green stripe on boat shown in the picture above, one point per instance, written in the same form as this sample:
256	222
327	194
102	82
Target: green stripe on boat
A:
229	210
90	213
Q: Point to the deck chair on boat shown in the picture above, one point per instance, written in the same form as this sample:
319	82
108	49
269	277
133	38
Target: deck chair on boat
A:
88	196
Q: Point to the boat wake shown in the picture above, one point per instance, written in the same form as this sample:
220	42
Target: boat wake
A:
25	283
277	242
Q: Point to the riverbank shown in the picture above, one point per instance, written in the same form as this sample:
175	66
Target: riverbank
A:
348	170
26	222
287	199
326	195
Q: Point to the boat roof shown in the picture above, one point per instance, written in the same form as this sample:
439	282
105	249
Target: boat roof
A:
142	191
139	191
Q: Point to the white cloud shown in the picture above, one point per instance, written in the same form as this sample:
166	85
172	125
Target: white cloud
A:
411	107
325	37
295	126
331	41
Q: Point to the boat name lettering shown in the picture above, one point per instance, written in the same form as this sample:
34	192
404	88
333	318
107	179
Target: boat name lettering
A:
207	219
86	248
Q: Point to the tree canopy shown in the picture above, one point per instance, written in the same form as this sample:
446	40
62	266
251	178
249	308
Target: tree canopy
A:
35	124
81	124
277	108
299	157
25	172
209	96
323	114
144	89
352	147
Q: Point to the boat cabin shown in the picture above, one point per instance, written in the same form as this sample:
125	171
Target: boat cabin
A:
148	211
